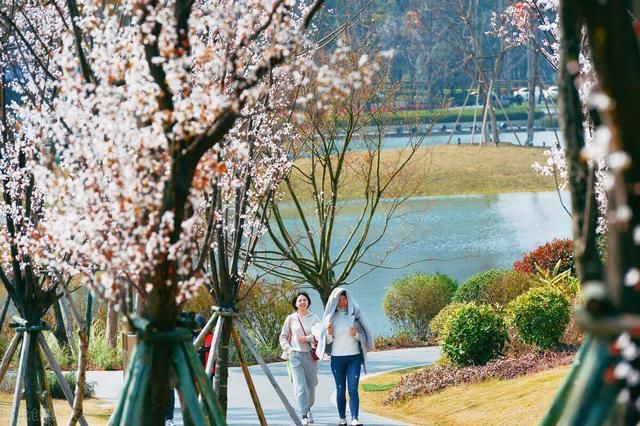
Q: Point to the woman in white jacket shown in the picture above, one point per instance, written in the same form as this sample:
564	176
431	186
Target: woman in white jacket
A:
347	337
297	342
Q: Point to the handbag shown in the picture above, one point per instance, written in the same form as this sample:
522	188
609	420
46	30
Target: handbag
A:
313	352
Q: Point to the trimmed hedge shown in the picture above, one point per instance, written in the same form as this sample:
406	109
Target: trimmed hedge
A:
471	290
439	322
540	316
413	301
474	335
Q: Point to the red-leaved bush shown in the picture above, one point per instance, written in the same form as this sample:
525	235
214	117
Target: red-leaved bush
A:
438	377
547	256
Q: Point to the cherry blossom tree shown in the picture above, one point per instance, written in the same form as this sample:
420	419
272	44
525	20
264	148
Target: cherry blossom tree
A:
235	207
142	116
29	34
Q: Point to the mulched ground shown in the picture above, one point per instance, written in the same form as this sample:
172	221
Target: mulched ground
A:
438	377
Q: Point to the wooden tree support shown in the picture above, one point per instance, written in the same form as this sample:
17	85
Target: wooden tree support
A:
218	317
32	335
187	372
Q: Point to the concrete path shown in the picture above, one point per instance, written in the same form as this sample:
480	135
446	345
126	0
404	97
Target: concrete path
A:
241	410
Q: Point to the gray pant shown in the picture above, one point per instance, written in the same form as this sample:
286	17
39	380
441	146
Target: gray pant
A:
305	379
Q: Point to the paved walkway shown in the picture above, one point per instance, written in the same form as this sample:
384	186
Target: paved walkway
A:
240	407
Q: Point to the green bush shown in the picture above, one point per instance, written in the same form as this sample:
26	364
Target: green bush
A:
264	307
471	289
70	377
507	287
413	301
8	384
474	335
540	316
401	339
439	322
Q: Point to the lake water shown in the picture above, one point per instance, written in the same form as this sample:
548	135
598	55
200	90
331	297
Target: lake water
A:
540	138
455	235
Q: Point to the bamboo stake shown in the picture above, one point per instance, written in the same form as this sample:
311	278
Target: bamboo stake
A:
248	379
258	357
58	372
213	351
464	105
186	389
486	111
8	355
205	330
206	390
45	391
20	379
475	114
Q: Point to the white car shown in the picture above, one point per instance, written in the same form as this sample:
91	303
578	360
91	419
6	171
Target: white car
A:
524	93
551	92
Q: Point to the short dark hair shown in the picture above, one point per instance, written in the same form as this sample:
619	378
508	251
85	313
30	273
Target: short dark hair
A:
300	293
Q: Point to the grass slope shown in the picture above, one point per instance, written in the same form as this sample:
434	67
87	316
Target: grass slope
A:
449	170
521	401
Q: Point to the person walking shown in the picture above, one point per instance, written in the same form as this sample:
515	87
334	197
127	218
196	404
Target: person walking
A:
297	342
346	337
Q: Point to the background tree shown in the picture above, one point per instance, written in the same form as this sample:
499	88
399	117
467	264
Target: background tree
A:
335	146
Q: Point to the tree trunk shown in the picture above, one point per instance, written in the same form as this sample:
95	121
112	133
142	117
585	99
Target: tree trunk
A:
112	325
161	310
31	384
532	71
222	365
83	355
494	125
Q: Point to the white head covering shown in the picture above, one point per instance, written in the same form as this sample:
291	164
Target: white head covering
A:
353	308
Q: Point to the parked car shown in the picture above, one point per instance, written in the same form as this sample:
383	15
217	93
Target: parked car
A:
551	92
523	93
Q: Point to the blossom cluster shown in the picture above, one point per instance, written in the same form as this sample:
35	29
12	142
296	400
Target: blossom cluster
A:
162	78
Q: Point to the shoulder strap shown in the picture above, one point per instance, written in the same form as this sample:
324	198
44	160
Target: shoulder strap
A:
301	326
303	330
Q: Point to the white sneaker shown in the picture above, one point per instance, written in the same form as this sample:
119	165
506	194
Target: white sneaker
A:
342	422
305	421
355	422
310	417
169	423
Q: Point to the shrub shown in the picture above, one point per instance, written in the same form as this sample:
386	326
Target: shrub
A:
264	307
413	301
200	303
507	287
101	355
8	384
547	256
471	289
474	335
540	316
401	339
438	323
70	377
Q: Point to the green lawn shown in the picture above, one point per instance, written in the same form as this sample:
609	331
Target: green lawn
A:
521	401
449	170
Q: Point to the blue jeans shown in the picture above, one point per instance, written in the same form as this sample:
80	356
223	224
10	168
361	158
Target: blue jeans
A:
346	373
